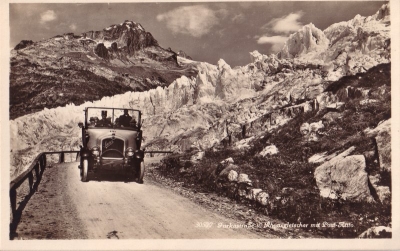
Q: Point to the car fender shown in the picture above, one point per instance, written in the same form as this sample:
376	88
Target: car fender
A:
139	155
85	153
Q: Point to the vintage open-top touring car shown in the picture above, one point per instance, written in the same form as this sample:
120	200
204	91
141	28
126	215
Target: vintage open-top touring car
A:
111	141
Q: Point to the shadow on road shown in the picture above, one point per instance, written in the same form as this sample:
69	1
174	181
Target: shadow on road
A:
110	176
16	218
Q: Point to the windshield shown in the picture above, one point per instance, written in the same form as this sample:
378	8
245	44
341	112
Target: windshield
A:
112	118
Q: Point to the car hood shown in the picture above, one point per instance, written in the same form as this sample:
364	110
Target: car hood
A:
97	135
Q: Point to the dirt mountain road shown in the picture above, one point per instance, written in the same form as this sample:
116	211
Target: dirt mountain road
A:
111	208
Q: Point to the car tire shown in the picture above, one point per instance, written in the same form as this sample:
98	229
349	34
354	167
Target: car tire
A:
140	172
130	173
84	170
78	159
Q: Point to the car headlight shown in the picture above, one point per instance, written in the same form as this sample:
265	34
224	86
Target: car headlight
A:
129	152
96	151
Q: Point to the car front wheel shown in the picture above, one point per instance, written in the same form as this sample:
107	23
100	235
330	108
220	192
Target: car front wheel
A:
84	170
140	172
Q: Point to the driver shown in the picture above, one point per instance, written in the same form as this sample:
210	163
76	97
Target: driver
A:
125	119
103	122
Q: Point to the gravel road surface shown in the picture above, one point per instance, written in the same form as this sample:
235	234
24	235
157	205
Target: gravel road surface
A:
109	208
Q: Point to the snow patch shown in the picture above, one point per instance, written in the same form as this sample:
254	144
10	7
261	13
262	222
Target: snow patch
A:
185	60
106	43
90	57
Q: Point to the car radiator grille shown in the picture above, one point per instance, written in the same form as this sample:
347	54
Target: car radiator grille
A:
112	148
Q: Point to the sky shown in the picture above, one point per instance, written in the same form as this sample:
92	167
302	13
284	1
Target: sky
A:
206	31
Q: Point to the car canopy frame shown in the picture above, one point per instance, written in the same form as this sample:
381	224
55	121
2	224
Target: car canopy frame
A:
139	119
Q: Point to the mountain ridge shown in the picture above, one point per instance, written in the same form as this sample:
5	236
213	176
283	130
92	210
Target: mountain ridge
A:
123	58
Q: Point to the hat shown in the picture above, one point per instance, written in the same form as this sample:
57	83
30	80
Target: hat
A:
91	119
126	110
103	113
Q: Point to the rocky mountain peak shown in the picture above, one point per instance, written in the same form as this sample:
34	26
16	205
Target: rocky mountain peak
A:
127	34
125	26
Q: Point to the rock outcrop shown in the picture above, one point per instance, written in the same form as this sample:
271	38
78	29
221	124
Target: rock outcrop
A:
23	44
313	131
383	192
344	177
376	232
101	51
382	136
269	150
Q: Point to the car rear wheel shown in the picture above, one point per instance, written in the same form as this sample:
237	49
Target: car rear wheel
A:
140	172
84	170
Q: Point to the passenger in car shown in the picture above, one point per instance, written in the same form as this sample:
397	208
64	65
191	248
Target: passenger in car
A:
116	122
92	122
104	121
125	119
133	123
